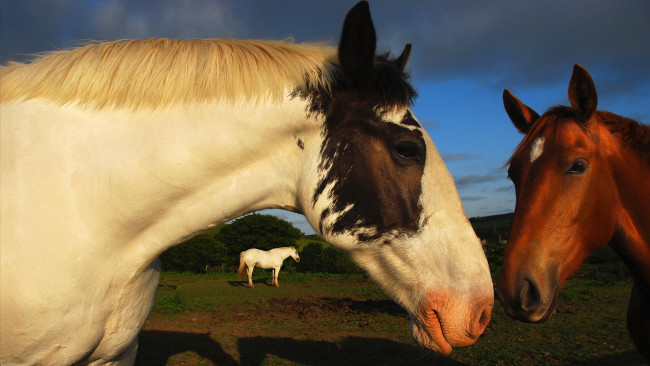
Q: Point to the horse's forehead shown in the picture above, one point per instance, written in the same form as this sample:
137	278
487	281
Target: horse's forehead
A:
574	134
403	117
559	138
564	136
537	149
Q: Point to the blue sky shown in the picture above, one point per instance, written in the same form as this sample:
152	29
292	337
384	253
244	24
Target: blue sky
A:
464	54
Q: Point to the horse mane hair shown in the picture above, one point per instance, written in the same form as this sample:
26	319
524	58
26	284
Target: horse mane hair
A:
631	132
158	73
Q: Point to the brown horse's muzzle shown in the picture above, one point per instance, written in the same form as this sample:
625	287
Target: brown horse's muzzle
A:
525	298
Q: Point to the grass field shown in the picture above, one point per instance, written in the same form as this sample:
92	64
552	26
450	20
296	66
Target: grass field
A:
348	320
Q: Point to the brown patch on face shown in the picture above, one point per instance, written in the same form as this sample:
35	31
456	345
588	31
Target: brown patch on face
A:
377	167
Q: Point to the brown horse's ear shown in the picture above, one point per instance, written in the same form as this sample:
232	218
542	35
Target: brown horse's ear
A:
520	114
404	57
582	93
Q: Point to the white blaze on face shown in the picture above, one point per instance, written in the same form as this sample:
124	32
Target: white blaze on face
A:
537	149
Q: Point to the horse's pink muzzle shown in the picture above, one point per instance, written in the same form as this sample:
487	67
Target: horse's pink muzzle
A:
442	321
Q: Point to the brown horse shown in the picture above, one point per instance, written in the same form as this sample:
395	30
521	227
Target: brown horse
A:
582	180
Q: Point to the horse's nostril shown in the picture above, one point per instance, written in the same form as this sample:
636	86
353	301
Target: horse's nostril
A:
482	320
486	314
530	298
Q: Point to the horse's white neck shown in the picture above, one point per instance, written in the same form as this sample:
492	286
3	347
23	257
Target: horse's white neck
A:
284	252
154	178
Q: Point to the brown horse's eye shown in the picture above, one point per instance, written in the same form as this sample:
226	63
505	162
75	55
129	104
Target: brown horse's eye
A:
579	166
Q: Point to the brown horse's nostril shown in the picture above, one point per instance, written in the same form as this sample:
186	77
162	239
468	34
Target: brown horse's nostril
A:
530	299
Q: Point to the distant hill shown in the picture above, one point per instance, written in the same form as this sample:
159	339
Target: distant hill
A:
301	243
485	227
490	227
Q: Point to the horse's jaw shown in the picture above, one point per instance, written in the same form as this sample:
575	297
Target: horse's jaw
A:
438	274
445	309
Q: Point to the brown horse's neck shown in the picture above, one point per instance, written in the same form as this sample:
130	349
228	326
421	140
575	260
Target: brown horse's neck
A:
631	240
633	248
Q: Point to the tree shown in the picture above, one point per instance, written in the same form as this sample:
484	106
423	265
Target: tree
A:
195	254
312	259
318	259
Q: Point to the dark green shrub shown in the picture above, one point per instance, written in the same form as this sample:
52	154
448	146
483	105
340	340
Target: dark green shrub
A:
195	254
315	258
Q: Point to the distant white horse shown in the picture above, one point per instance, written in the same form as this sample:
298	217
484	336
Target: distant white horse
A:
272	259
113	152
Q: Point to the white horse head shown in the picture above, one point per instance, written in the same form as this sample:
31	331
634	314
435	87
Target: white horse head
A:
384	195
294	254
113	152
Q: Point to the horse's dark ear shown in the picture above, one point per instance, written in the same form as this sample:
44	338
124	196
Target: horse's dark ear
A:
520	114
357	46
404	57
582	93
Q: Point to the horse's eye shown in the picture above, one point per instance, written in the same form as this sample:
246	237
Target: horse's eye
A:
409	150
579	166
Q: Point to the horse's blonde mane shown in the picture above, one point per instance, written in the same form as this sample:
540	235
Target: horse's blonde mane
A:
158	73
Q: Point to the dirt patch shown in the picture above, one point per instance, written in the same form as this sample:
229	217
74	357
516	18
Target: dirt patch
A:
316	308
288	309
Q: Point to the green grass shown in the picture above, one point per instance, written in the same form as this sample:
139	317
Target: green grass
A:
189	291
316	319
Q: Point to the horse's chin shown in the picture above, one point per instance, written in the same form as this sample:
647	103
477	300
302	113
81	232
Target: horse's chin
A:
442	322
539	314
430	336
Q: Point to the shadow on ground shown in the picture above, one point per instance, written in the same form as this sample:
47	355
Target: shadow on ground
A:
350	351
630	358
156	347
244	283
